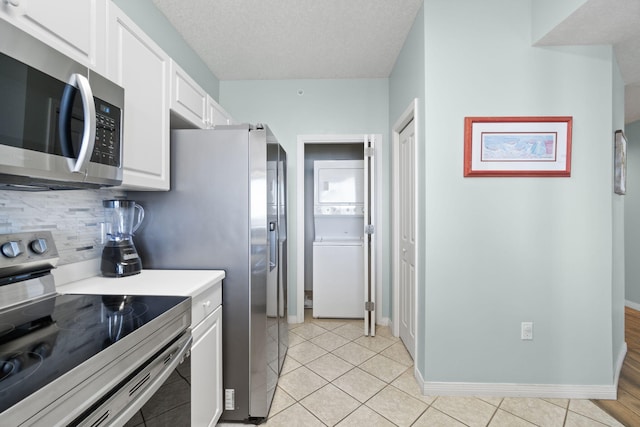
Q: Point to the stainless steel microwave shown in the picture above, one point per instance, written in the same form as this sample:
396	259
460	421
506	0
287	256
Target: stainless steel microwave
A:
60	122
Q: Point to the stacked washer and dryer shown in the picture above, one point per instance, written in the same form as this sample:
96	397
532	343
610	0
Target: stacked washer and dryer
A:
338	247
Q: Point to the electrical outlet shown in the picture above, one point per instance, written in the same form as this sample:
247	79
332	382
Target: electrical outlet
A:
526	331
229	399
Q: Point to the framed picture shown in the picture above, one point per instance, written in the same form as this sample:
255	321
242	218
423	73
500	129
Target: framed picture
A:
620	163
517	146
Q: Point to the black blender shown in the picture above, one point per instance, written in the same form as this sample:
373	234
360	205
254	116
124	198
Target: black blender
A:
119	256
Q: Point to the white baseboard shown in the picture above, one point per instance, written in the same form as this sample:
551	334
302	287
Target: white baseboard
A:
632	304
620	362
292	318
520	390
383	321
430	388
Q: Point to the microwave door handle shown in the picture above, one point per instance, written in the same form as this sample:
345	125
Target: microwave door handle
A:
89	131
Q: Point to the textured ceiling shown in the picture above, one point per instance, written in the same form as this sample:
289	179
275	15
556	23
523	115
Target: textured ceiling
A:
317	39
294	39
614	22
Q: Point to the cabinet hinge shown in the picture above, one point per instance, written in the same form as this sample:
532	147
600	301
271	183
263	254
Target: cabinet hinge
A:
368	152
369	229
369	306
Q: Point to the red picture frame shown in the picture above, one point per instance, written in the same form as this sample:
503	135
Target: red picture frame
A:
517	146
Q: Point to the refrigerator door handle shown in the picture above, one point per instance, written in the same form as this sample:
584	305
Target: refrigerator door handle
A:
273	249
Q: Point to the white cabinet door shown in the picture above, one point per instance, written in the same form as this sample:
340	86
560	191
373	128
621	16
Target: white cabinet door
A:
192	103
216	114
73	27
188	99
206	371
136	63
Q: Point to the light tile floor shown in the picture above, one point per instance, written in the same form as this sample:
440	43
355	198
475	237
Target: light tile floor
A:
334	376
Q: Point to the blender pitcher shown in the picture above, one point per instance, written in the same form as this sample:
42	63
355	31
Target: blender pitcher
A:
119	255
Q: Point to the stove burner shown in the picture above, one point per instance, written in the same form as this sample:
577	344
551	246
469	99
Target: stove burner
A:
24	362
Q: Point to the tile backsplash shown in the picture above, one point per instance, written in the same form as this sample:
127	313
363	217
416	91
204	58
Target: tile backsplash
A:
74	218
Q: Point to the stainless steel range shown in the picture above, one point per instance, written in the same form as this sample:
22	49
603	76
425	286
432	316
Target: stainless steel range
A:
78	359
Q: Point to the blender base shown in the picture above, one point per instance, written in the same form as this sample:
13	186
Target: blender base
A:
118	261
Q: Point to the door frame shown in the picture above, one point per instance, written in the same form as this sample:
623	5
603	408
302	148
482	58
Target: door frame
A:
411	113
303	140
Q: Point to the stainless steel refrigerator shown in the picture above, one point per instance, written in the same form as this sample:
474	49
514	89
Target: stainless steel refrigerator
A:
227	210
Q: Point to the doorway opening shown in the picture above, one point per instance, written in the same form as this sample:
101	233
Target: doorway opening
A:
347	148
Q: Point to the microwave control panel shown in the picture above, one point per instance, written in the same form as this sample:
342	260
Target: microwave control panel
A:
108	133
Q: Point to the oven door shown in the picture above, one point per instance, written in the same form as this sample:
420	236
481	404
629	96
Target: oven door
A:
120	404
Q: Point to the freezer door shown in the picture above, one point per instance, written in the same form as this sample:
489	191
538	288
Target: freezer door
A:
283	327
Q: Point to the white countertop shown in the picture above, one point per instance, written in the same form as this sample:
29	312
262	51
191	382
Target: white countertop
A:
148	282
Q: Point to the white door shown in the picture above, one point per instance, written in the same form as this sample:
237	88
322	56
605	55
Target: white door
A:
406	236
369	237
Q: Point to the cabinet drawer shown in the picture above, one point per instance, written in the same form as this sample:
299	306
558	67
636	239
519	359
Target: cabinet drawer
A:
205	303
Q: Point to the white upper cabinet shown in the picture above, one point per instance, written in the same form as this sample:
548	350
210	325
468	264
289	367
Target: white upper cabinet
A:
188	99
136	63
192	103
74	27
216	115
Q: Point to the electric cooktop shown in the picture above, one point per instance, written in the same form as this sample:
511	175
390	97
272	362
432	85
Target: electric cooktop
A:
43	340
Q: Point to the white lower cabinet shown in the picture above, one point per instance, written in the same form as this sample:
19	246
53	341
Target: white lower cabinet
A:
206	371
205	289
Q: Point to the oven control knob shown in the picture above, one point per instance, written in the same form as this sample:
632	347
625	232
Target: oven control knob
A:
11	249
39	246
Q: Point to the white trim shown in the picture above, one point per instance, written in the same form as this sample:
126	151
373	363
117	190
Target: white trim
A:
609	392
411	113
383	321
291	319
632	304
566	391
379	214
619	364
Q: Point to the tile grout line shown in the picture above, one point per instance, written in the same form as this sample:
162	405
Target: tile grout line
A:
386	382
375	353
350	338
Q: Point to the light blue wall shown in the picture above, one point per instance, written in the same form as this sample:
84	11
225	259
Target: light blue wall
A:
618	237
495	251
500	251
325	107
155	24
632	215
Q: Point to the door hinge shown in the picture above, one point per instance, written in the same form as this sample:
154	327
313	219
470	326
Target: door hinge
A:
369	306
368	152
369	229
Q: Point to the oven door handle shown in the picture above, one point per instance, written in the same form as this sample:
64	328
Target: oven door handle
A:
81	83
149	390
